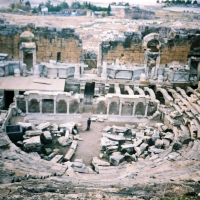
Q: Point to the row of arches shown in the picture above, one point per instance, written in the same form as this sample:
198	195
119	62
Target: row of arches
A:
127	109
48	106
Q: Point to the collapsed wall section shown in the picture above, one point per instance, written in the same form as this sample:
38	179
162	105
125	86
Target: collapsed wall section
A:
51	43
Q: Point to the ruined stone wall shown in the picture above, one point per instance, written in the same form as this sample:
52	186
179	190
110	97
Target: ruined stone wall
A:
176	45
130	49
49	42
136	13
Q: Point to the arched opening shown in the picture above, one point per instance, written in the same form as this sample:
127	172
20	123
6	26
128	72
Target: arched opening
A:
151	108
153	45
101	108
28	60
170	94
61	107
127	109
140	109
8	98
33	106
89	93
47	106
21	104
195	47
136	93
146	93
189	94
160	97
74	107
114	108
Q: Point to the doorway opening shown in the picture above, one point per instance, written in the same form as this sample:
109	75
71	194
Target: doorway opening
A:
58	56
21	92
89	92
28	60
8	98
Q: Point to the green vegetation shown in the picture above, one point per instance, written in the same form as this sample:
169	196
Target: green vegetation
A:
183	198
75	5
177	2
15	7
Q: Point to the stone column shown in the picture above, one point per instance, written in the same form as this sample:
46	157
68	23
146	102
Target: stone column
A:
198	72
104	71
145	64
108	107
99	60
134	107
146	110
68	107
54	104
21	59
40	106
77	71
157	65
15	101
158	105
120	108
26	106
34	58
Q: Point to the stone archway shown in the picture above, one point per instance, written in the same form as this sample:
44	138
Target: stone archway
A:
47	106
127	109
140	109
27	51
114	108
160	97
74	107
151	46
101	107
33	106
61	106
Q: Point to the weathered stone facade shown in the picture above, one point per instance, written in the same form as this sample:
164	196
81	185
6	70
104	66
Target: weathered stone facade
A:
51	43
137	13
175	45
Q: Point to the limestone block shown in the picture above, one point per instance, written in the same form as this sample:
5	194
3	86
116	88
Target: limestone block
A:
111	149
25	126
33	133
74	145
114	137
63	141
69	154
46	137
43	126
169	136
155	150
48	151
67	126
159	144
57	159
105	142
116	159
33	144
97	161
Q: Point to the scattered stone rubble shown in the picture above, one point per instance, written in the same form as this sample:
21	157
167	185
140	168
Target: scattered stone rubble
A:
37	135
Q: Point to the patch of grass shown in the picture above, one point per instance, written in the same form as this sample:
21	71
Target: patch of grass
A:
183	198
112	186
64	192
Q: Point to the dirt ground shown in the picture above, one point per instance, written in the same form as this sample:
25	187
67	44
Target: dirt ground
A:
89	147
